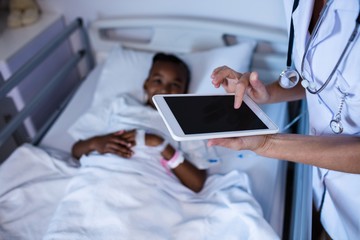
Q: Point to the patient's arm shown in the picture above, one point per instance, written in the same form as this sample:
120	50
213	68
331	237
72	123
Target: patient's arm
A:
118	143
186	172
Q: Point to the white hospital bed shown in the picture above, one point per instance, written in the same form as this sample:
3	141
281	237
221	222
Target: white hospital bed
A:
136	38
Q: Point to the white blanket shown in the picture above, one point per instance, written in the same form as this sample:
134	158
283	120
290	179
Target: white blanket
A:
32	183
117	198
126	112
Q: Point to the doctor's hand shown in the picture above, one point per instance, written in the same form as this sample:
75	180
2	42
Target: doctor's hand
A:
256	144
240	83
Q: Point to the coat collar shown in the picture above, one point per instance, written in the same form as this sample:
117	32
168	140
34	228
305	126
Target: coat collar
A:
338	11
302	17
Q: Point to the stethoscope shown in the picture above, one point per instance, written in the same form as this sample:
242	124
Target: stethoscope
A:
289	78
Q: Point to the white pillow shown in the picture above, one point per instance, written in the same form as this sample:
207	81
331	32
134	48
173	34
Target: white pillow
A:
126	70
202	64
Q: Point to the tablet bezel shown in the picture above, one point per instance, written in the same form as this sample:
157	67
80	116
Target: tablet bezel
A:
178	134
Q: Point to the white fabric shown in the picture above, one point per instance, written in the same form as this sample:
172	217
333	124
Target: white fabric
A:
259	169
32	182
117	198
341	211
140	136
125	70
125	112
41	179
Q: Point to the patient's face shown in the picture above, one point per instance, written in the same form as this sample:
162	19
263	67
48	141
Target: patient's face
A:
165	78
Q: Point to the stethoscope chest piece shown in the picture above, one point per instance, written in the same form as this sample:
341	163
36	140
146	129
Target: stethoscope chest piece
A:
289	78
336	126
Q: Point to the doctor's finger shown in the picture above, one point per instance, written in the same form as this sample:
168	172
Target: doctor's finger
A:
257	90
218	69
221	74
239	95
255	83
240	89
254	80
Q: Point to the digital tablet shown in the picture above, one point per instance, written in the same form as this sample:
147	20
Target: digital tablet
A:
194	117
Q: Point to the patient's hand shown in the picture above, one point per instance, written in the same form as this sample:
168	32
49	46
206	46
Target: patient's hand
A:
118	143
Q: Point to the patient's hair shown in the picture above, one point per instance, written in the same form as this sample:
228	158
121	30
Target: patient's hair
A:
174	59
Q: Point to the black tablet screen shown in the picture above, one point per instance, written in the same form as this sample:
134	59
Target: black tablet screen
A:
204	114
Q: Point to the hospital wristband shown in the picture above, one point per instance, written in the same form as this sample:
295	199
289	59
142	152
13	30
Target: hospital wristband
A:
175	161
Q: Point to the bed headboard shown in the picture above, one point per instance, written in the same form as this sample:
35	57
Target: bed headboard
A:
184	35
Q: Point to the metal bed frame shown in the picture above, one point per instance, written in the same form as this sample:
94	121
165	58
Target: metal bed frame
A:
301	205
28	67
297	222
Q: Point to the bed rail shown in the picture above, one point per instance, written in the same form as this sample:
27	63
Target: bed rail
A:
29	66
301	210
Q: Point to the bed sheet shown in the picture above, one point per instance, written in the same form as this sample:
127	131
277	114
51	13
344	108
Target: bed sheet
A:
122	191
152	204
52	198
33	181
259	169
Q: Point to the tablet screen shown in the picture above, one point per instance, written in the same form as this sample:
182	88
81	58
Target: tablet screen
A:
206	114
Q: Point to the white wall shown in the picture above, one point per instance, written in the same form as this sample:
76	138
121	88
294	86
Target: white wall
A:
267	12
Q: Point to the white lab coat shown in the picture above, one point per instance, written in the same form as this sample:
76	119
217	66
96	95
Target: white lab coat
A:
340	215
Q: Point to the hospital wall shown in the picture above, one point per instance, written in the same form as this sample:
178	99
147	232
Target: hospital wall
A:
267	12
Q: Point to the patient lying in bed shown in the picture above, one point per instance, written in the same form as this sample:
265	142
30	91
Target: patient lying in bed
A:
135	182
168	75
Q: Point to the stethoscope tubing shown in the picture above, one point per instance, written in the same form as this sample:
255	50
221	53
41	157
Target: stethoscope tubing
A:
306	84
351	39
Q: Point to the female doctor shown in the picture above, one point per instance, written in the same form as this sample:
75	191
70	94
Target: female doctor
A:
323	66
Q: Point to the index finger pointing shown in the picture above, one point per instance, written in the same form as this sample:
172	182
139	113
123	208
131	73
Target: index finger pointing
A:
239	94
